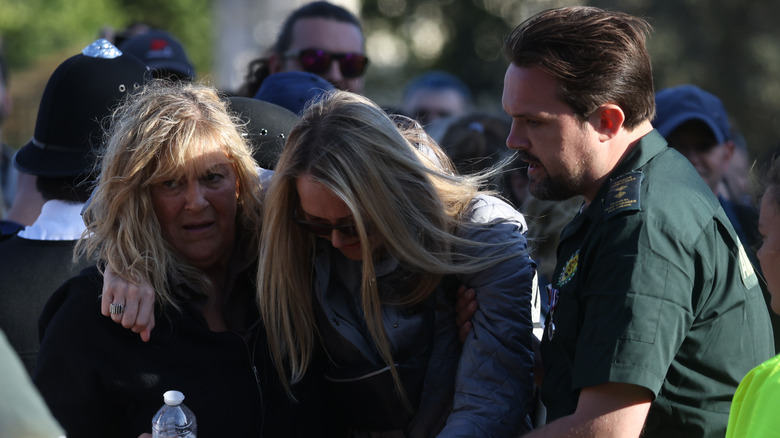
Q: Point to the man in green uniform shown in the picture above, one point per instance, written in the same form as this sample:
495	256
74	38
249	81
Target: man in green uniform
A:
655	311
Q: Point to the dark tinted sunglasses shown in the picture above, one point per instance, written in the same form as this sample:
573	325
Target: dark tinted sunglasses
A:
321	229
318	61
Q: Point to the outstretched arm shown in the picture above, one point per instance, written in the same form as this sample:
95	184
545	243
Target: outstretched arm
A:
609	410
465	307
137	303
495	390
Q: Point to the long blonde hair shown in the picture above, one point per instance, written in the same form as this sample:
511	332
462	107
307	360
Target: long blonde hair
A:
152	136
397	180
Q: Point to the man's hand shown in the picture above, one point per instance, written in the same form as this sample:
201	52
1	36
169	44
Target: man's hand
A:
137	302
465	307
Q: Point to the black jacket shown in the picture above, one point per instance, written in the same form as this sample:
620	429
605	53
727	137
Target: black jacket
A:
101	380
30	271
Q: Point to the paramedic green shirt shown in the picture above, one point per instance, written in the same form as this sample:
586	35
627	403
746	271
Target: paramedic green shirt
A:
654	289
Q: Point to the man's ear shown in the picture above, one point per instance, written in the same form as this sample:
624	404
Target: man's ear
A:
608	120
275	63
728	150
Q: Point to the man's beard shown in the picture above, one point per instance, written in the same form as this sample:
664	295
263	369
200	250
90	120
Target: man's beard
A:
554	188
549	187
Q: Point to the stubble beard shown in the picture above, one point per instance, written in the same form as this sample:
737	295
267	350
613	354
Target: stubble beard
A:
555	188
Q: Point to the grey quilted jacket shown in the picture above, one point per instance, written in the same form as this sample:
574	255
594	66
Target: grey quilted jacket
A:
481	388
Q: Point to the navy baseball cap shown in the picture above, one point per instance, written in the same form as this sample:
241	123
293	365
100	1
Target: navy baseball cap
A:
676	105
81	92
161	52
292	89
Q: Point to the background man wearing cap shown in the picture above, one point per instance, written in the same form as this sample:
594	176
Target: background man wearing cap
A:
161	52
696	124
80	92
436	95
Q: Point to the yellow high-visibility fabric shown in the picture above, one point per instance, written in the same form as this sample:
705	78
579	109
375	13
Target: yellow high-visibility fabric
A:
755	410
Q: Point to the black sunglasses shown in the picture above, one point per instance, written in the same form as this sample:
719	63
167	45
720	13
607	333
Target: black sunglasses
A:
321	229
318	61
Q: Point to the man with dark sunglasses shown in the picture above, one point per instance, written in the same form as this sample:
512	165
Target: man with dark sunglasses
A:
320	38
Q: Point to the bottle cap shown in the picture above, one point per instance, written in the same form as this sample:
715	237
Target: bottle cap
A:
173	398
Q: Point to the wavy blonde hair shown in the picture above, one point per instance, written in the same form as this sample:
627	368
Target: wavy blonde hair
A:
154	135
391	176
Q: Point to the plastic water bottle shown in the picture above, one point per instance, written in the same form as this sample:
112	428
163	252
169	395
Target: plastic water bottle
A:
174	419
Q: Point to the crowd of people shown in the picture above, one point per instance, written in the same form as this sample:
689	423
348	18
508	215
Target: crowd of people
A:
301	261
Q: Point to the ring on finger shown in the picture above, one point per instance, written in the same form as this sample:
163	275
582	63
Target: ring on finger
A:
117	309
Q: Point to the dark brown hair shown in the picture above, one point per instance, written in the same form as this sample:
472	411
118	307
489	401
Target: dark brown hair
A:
597	56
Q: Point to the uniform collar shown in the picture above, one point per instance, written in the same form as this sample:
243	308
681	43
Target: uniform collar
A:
59	220
648	147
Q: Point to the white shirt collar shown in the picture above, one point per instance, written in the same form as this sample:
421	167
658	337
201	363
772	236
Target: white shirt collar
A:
59	220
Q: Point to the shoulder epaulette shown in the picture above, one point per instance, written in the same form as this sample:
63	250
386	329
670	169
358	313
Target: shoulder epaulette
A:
623	194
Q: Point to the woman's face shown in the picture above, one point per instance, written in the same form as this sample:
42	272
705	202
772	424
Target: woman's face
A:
197	211
769	253
320	205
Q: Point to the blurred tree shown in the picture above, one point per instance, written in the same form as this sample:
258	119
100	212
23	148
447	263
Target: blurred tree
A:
37	35
30	29
465	38
33	28
730	48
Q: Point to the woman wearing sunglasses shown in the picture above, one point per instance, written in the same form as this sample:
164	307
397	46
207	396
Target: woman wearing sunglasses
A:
367	230
350	187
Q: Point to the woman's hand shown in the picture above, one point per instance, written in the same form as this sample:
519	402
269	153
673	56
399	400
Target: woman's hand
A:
137	303
465	307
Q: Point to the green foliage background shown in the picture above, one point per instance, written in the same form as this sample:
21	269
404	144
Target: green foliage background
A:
34	28
37	35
